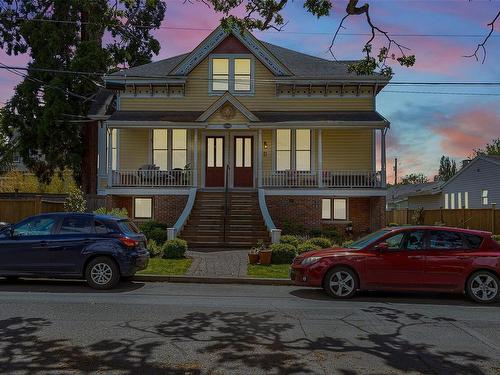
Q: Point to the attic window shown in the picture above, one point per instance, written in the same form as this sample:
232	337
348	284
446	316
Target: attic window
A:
231	73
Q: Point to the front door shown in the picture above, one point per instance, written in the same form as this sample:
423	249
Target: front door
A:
243	161
214	172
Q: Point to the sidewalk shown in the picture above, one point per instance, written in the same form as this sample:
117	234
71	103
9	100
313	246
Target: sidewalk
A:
227	263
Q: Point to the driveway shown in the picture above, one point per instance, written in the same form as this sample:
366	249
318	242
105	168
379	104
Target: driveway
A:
168	328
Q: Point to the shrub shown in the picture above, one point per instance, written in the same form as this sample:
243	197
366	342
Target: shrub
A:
293	228
322	242
117	212
282	253
290	239
75	202
331	233
315	233
154	249
347	243
154	230
496	237
307	246
174	249
393	225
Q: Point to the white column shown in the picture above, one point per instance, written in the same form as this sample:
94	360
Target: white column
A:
195	159
110	157
259	159
383	157
320	159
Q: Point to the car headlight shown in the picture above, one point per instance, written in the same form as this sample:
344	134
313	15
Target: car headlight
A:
310	260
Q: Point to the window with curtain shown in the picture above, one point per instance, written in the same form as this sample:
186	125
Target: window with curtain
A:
179	148
160	148
283	149
220	74
114	149
242	74
340	209
303	149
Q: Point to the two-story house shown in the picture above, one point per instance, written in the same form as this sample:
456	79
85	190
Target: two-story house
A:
229	142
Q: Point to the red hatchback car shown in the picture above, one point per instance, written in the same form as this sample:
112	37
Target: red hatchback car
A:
419	258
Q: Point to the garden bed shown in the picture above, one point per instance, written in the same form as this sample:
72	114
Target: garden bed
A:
160	266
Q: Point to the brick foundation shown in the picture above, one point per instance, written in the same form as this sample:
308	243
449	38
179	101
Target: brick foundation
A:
166	208
366	214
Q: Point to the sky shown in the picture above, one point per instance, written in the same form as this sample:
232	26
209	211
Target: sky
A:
426	121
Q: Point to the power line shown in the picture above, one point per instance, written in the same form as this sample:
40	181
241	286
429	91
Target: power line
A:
256	31
441	93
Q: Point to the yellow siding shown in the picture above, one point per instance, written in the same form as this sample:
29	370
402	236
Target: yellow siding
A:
133	148
267	160
264	99
348	150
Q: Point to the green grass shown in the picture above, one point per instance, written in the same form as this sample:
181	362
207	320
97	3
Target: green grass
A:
159	266
273	271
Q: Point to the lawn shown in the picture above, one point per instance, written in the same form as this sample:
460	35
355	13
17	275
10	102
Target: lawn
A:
273	271
160	266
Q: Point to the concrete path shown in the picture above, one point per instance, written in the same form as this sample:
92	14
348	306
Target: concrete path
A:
227	263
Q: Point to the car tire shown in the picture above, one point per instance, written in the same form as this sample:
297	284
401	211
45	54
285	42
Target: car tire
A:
127	278
483	287
102	273
341	282
11	279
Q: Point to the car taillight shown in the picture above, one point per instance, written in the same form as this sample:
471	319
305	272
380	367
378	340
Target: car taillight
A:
129	242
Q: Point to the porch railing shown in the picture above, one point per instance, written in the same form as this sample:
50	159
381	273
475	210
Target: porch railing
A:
152	178
321	178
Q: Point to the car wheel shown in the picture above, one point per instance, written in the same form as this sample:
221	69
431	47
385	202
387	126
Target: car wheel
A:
341	282
11	279
483	287
102	273
127	278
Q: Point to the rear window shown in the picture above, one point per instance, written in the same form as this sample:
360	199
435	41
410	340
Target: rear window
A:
473	241
128	227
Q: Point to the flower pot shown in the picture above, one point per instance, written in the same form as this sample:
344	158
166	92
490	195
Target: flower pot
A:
253	258
265	257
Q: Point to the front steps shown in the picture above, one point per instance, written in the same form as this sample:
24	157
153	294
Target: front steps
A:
208	227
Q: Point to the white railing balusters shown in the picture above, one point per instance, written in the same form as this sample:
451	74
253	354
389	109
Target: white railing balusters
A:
321	178
152	178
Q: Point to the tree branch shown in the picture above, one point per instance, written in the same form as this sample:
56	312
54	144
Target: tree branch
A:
481	46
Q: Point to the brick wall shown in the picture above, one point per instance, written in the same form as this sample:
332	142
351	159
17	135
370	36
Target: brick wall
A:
366	214
166	208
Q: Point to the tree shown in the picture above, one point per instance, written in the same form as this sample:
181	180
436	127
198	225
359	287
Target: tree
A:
63	37
75	201
447	169
6	151
414	178
492	148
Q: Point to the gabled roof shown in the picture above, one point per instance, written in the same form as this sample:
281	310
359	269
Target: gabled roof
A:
227	98
488	158
283	62
401	192
101	103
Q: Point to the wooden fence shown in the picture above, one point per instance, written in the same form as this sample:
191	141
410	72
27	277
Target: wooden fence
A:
15	208
487	219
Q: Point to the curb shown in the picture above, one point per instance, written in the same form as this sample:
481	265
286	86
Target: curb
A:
211	280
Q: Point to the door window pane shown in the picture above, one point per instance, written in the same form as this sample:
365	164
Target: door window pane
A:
395	242
340	209
415	240
440	239
143	208
219	152
220	74
283	149
242	74
76	225
326	209
248	152
211	152
239	152
37	226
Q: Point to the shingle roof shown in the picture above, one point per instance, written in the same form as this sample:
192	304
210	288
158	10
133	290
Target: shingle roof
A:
399	192
100	102
174	116
159	68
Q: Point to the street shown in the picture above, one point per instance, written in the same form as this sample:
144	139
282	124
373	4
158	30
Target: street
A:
61	327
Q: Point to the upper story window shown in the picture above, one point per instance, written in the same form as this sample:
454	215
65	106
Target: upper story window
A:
231	73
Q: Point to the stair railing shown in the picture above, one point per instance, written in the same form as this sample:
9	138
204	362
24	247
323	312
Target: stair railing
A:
226	191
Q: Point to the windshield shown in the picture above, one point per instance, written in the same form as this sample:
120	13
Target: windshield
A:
368	239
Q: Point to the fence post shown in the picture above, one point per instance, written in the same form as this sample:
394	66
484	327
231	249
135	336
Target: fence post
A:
38	204
493	224
441	215
407	214
463	216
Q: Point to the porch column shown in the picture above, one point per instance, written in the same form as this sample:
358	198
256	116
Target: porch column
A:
102	151
259	159
320	159
110	156
383	157
195	159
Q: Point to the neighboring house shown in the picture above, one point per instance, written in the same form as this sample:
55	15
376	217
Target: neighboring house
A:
477	185
414	196
238	137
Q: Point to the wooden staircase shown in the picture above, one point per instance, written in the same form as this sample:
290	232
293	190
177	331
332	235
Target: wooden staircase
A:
211	224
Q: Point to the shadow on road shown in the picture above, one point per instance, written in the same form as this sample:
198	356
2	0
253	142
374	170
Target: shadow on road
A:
61	286
394	297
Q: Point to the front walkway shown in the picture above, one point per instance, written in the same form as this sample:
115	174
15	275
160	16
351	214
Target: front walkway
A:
227	263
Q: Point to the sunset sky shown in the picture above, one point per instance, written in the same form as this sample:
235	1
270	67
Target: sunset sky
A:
423	126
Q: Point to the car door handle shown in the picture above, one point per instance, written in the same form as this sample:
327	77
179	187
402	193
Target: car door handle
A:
415	257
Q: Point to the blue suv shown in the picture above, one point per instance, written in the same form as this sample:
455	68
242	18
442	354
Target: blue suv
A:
99	248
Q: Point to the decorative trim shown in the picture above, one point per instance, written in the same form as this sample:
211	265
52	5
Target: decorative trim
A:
227	97
215	38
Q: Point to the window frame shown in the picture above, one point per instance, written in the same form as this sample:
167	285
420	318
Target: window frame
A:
134	207
231	80
332	210
170	147
293	150
484	197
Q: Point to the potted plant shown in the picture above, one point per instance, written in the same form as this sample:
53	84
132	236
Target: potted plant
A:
253	256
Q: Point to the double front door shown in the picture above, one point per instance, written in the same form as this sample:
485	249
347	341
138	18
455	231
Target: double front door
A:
217	170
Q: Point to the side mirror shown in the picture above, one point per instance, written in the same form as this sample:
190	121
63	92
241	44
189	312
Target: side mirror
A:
383	246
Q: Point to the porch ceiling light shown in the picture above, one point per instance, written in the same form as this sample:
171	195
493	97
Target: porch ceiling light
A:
227	126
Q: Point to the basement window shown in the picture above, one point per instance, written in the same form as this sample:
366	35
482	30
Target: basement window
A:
335	209
143	208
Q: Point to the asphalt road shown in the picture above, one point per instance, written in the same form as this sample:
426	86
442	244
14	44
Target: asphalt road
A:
166	328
